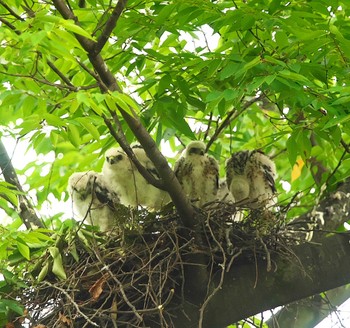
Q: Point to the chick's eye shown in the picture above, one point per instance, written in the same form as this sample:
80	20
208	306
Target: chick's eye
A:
119	157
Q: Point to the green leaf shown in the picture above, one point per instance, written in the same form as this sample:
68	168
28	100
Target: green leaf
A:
8	192
53	120
57	267
24	250
129	101
341	100
73	135
12	305
229	70
86	123
164	83
72	27
180	124
294	76
43	272
335	121
292	149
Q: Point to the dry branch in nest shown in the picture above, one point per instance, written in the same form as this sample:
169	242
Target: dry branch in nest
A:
135	277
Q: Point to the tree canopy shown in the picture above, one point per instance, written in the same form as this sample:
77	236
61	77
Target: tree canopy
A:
79	76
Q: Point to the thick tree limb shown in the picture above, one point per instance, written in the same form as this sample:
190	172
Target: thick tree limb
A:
308	313
331	213
249	289
25	209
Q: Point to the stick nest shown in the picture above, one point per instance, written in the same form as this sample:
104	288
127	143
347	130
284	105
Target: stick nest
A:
134	276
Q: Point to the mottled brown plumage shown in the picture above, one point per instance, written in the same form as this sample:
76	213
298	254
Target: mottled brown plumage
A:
251	175
198	174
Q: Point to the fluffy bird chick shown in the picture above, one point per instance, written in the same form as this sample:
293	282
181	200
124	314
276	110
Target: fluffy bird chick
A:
93	200
125	179
151	197
198	174
224	194
251	175
121	176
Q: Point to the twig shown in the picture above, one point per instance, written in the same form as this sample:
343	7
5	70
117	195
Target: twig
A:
60	74
268	256
222	276
8	8
73	303
233	258
8	24
233	114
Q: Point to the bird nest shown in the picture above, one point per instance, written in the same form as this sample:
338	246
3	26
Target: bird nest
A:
134	276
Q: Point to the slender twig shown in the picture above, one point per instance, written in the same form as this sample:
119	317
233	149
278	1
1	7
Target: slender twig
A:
55	85
232	115
345	145
222	276
63	291
8	24
337	167
60	74
9	9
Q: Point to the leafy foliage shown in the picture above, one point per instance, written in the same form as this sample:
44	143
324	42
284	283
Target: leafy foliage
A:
238	74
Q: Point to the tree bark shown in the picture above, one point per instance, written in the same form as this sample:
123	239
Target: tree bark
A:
310	312
25	209
329	215
249	289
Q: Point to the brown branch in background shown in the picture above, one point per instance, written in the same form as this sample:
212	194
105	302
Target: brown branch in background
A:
25	209
110	25
9	9
317	168
8	24
345	145
60	74
210	120
232	115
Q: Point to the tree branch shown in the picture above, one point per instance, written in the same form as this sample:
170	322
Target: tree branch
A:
9	9
25	209
314	269
8	24
233	114
60	74
330	214
174	188
110	25
308	313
